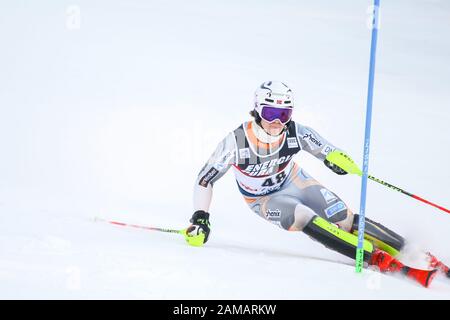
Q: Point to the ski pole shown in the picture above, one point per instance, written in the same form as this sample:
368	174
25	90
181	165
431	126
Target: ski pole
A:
122	224
384	183
196	241
344	162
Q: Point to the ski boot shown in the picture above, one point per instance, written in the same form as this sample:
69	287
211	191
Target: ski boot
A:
386	263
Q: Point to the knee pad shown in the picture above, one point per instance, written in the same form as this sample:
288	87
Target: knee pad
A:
381	236
302	215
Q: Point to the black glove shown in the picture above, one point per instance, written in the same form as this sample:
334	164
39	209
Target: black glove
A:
334	167
200	224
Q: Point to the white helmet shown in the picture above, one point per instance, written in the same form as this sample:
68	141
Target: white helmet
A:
274	94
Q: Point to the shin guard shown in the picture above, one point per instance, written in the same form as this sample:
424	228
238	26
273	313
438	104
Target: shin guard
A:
380	236
336	239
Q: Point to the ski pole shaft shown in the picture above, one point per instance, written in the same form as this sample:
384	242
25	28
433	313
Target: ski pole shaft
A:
193	240
384	183
122	224
346	163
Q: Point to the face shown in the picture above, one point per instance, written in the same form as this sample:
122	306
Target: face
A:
274	128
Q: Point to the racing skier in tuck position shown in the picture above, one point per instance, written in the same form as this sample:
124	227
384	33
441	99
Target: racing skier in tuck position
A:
261	154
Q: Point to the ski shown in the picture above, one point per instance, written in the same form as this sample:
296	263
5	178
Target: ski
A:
436	263
388	264
424	277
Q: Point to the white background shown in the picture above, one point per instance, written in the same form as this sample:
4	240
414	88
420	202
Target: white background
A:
110	108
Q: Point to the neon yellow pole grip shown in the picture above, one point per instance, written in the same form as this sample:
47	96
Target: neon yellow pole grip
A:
344	162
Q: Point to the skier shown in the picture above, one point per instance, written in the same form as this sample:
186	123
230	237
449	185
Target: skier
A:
276	188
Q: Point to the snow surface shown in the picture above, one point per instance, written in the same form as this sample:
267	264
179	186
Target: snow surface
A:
112	113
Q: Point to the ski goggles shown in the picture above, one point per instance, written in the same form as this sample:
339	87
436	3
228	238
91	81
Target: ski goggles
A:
270	114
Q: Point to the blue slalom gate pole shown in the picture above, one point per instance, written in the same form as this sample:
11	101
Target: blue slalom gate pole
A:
362	209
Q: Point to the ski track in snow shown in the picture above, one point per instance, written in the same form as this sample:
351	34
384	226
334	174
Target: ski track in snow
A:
116	262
